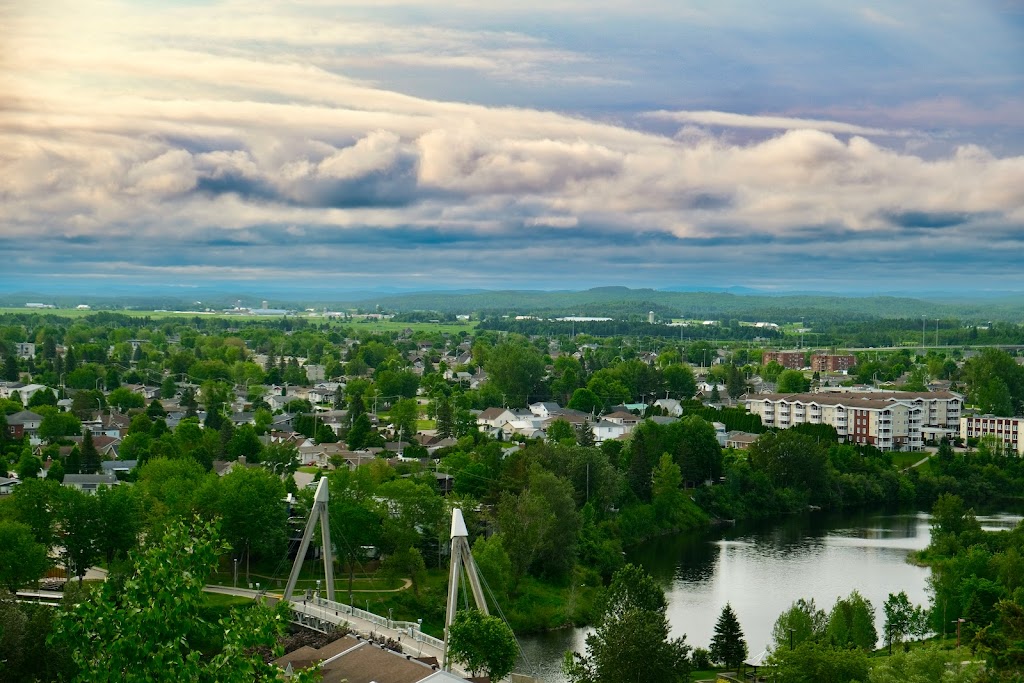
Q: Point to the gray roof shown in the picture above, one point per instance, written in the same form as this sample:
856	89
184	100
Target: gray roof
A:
97	479
110	466
22	417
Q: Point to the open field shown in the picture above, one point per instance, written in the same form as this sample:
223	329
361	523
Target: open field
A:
368	325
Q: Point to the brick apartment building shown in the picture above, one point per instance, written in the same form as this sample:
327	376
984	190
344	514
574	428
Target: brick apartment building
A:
828	362
791	360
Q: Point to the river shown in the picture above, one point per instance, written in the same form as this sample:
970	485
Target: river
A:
760	569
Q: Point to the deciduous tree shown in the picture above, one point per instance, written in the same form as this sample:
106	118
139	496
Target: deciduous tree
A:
22	558
483	643
151	628
631	641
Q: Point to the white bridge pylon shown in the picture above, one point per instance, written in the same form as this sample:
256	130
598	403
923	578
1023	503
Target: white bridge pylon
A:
462	558
317	514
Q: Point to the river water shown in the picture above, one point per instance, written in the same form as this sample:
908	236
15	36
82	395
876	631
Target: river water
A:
761	569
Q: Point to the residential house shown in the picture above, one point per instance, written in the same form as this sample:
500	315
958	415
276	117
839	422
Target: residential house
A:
671	406
606	430
545	409
25	350
24	422
7	485
89	483
740	440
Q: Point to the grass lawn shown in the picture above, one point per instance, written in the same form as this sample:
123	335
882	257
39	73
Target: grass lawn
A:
309	469
395	326
426	424
902	460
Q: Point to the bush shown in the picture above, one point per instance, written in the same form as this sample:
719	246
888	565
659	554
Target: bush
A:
701	659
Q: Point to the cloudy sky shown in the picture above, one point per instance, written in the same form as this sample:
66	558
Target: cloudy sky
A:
828	145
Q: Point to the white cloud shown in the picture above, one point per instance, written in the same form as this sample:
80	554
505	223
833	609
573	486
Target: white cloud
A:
120	132
731	120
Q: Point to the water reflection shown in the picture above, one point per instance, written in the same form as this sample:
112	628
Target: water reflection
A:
762	568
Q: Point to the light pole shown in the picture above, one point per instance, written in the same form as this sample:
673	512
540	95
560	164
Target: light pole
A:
236	572
791	632
958	622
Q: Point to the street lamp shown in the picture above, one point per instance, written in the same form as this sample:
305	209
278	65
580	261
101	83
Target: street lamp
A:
235	560
958	622
791	632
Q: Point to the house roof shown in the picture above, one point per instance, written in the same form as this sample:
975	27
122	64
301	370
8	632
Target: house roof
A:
492	413
21	417
97	479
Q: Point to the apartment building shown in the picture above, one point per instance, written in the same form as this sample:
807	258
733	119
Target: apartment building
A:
791	360
830	362
881	422
1007	429
938	408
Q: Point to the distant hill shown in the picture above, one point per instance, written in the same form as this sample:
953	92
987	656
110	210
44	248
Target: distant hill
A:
622	302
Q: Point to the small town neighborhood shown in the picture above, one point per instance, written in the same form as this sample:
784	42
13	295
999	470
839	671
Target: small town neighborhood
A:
627	439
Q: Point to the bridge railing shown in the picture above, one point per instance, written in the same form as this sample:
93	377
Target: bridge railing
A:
409	628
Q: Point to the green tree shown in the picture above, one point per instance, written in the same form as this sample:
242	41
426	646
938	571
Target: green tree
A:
630	642
355	528
119	521
792	382
28	466
125	399
360	434
483	643
560	431
680	381
253	518
22	558
516	371
585	400
445	416
728	644
150	628
78	518
34	503
851	623
790	460
58	425
812	662
902	618
155	409
43	397
926	664
245	442
168	389
90	463
495	565
403	417
802	622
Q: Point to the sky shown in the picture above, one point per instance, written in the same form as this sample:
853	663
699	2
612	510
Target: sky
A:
559	144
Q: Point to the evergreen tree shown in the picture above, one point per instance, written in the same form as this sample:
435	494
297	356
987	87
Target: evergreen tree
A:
585	434
10	368
90	456
156	409
728	645
73	463
445	417
359	433
168	388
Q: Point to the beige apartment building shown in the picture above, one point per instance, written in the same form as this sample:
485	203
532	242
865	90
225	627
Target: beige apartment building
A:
1007	429
888	420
